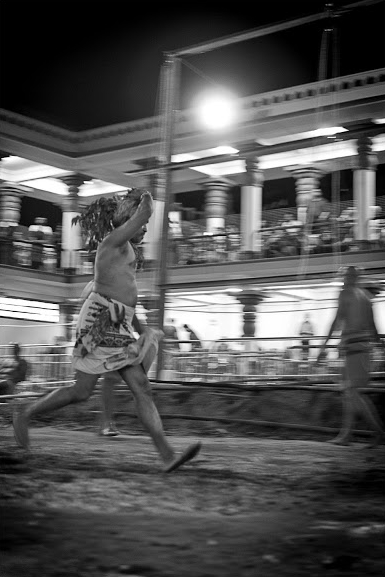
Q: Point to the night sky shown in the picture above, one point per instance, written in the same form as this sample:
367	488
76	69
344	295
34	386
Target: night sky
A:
86	63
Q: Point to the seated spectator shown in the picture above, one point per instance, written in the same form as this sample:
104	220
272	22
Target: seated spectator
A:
40	225
347	219
290	224
37	250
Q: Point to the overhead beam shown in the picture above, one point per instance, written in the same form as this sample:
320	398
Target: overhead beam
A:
265	30
261	150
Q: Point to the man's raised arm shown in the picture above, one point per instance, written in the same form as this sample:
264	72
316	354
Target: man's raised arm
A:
124	232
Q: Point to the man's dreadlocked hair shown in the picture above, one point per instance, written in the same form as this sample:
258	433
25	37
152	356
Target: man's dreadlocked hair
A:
107	213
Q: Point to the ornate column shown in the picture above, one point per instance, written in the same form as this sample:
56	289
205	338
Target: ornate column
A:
364	187
10	203
251	206
216	203
306	183
250	299
152	244
71	234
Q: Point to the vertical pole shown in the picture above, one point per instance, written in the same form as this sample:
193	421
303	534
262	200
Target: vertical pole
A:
170	72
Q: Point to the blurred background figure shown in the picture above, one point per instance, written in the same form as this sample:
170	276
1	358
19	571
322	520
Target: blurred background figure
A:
40	224
194	339
306	331
171	346
12	371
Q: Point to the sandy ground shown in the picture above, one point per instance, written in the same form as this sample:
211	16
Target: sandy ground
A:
78	505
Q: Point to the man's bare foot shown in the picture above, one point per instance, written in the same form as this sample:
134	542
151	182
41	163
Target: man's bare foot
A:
343	441
109	432
20	428
187	455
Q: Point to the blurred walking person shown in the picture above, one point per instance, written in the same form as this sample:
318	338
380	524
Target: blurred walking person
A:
355	319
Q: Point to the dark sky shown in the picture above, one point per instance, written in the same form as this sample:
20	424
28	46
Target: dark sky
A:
82	64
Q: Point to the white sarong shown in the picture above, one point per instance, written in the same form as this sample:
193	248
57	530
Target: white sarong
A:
105	339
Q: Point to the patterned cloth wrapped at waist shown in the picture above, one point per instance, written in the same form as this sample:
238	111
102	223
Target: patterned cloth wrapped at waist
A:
105	339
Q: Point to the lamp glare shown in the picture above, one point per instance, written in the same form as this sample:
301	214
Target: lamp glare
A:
217	112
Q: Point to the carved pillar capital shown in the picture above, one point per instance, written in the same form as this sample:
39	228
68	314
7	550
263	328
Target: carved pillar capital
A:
367	159
311	174
73	182
254	175
306	184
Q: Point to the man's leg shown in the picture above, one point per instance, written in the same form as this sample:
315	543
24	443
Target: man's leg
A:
107	426
57	399
369	412
343	437
348	415
137	381
358	376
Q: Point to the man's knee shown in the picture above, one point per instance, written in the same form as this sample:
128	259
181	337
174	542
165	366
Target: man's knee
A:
137	380
83	387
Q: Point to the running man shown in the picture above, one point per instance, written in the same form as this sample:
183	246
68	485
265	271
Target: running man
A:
355	319
105	339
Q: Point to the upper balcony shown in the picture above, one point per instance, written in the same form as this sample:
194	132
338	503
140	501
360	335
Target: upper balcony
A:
31	269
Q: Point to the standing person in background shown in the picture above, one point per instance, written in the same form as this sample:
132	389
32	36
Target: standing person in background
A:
105	339
306	332
355	319
195	341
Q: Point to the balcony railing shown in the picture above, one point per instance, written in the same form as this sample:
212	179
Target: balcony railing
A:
276	241
285	240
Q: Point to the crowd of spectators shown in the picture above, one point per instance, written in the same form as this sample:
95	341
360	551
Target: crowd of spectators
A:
286	236
281	235
36	246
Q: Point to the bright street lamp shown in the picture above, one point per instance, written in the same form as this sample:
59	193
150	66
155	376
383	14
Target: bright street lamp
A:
217	110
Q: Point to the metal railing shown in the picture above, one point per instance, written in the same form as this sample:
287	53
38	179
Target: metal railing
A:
50	366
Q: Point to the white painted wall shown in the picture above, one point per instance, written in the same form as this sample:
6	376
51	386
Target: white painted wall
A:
28	332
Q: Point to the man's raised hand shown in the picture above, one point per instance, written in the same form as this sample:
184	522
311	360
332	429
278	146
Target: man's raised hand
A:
146	205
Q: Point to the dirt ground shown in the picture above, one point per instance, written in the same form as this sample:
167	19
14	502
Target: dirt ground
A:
79	505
